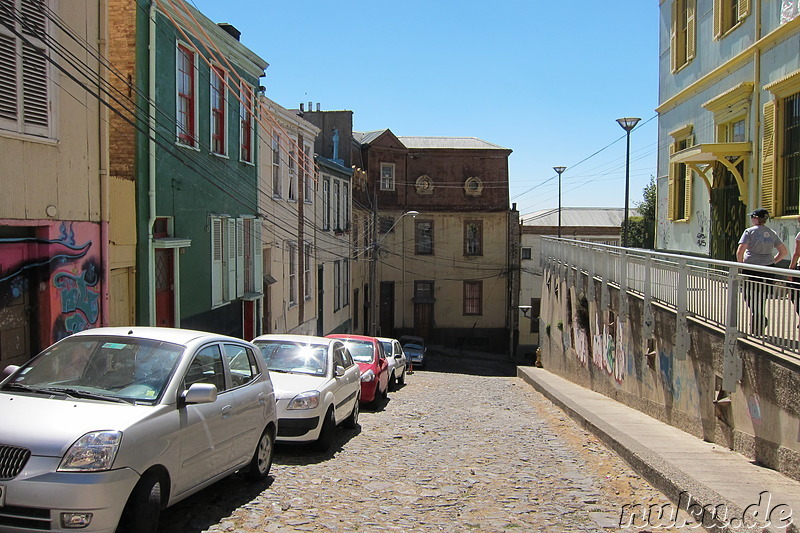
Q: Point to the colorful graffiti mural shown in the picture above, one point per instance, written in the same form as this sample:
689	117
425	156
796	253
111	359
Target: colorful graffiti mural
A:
62	264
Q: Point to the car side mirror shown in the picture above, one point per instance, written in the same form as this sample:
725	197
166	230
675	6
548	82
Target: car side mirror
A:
7	371
338	371
200	393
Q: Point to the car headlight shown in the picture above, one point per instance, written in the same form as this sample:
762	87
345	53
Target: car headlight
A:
305	400
369	375
91	453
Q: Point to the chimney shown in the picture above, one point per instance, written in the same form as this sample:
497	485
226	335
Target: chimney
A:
317	106
301	107
230	30
310	107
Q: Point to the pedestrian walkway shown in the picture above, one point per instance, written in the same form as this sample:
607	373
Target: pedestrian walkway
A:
687	469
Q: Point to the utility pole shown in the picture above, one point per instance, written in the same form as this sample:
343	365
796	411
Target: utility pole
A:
373	265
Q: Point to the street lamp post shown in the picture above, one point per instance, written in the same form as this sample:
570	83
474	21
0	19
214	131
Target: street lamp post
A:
373	263
559	171
627	124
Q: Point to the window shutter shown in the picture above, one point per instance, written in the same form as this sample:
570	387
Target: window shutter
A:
216	262
687	198
8	75
34	89
768	159
230	247
239	257
673	37
744	8
691	31
717	16
671	187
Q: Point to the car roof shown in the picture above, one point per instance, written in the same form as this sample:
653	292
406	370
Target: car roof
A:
343	336
174	335
385	339
288	337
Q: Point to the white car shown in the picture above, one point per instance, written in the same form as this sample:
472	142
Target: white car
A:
317	386
108	426
397	362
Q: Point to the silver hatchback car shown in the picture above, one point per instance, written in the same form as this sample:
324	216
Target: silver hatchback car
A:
107	427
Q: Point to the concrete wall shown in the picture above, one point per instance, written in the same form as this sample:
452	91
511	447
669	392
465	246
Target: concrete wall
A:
598	349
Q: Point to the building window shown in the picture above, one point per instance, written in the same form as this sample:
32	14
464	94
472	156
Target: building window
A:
387	176
246	125
679	200
345	282
276	166
218	106
307	272
235	258
728	14
308	178
423	291
345	205
292	176
25	105
423	237
791	155
326	203
526	253
337	285
187	91
683	31
292	273
473	238
337	202
473	292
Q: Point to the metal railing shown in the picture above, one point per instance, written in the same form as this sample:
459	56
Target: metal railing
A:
761	304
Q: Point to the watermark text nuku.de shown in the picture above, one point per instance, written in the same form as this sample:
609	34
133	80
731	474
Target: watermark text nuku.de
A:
689	513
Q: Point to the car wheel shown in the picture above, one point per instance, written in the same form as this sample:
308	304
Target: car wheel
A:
143	508
393	382
326	434
402	379
261	462
351	422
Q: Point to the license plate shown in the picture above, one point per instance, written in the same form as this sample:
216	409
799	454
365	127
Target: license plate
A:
2	495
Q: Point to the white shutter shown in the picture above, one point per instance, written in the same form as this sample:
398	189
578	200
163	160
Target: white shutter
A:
216	262
239	257
230	257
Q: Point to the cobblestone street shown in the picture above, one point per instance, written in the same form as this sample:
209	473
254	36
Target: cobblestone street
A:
448	452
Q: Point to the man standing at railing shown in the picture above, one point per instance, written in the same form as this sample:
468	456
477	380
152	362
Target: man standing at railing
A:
756	248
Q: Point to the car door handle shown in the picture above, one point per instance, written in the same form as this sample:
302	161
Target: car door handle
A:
261	398
226	411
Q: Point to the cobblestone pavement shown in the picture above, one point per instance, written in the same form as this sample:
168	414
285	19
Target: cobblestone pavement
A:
448	452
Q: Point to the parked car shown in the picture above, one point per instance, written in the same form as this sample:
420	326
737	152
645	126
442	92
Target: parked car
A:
368	354
108	426
415	350
317	386
397	362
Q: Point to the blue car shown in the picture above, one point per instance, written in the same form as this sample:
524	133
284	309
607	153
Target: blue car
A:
414	348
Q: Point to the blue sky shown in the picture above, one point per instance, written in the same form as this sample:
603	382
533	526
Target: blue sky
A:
546	79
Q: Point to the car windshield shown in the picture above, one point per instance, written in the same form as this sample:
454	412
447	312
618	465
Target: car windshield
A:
104	368
416	347
362	351
296	358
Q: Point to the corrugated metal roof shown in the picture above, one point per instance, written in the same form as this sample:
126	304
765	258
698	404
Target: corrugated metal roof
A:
611	217
366	137
460	143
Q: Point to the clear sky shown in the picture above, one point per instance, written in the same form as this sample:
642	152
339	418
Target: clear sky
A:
545	79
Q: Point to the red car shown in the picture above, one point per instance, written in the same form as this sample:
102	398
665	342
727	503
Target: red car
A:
368	353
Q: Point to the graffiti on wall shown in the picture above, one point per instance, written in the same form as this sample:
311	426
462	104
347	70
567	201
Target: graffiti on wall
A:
65	264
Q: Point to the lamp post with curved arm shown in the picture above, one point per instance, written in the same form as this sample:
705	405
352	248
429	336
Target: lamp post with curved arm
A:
559	171
373	264
627	124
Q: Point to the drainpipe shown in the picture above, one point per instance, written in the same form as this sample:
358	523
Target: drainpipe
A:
151	192
103	163
753	185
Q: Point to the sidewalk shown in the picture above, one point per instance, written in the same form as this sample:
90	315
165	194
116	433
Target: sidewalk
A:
677	463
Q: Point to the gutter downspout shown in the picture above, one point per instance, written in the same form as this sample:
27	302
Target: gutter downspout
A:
103	163
151	192
753	189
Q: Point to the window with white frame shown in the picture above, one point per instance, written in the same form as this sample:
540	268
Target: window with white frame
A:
246	125
326	203
292	176
387	176
276	166
308	177
236	258
219	106
292	250
337	199
345	205
679	201
337	285
307	279
473	237
25	104
186	82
